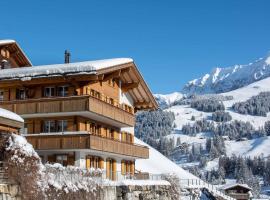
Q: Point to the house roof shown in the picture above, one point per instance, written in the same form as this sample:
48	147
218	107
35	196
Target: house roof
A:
17	53
78	68
10	115
123	68
230	186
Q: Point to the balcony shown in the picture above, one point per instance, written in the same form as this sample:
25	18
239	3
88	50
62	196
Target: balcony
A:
87	106
87	141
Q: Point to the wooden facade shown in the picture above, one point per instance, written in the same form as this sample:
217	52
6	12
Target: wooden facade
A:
85	103
78	113
85	141
238	191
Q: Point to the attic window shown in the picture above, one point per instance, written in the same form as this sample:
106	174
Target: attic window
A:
5	64
1	95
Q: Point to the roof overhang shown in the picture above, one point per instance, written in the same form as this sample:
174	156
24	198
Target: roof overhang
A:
16	52
133	83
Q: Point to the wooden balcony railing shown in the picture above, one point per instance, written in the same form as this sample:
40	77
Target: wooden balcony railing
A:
87	141
70	104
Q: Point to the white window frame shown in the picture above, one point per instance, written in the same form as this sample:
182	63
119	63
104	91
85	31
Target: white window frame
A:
62	93
50	91
61	123
1	95
49	126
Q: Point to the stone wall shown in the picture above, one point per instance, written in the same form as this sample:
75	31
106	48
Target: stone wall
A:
136	192
10	192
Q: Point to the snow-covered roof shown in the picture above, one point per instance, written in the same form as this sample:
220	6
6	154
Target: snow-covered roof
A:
229	186
4	42
88	67
10	115
17	48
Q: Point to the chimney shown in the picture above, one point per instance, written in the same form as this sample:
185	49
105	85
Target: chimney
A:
67	56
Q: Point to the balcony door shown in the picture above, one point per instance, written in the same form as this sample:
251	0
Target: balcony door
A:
111	169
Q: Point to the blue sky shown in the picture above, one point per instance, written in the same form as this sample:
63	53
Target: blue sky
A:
172	42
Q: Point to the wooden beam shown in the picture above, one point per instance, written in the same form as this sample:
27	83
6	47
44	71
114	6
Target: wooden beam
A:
101	77
126	70
112	75
129	86
142	104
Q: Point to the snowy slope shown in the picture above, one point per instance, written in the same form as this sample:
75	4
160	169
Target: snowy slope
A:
183	113
255	147
249	148
159	164
226	79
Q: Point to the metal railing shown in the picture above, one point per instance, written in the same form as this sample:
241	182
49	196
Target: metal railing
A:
200	184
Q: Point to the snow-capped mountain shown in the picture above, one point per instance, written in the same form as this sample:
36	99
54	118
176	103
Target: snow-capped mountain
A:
167	99
230	78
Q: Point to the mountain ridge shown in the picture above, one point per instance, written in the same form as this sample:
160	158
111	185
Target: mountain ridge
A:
229	78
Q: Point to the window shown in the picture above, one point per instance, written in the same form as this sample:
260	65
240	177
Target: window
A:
62	125
62	159
111	133
62	91
94	162
111	101
49	126
20	94
49	91
1	95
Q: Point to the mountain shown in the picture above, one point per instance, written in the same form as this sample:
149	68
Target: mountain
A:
165	100
230	78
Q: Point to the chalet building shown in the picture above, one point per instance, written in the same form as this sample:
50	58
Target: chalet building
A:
78	114
238	191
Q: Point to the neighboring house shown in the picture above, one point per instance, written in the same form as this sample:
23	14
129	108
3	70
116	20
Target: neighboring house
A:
80	114
238	191
10	122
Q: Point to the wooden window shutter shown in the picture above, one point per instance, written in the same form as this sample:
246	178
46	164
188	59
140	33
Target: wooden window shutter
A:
114	169
123	167
132	168
108	170
101	163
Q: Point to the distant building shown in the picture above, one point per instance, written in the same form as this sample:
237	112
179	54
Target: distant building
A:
80	114
238	191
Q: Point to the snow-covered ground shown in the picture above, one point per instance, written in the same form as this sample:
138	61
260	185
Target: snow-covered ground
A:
159	164
251	148
183	113
255	147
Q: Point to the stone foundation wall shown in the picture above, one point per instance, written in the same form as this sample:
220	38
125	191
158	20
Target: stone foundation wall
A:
10	192
150	192
154	192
